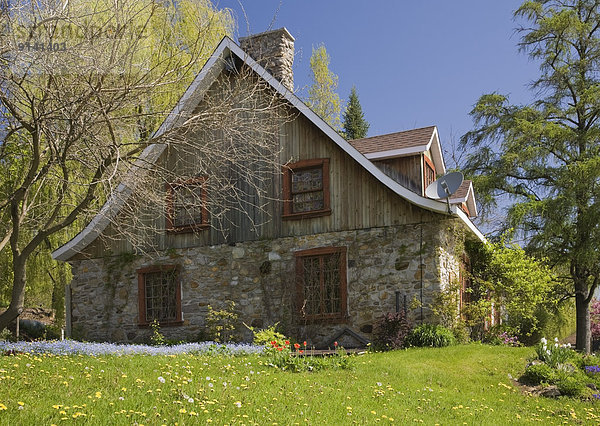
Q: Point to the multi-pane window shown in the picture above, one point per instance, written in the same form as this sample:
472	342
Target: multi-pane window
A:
321	283
428	172
306	188
159	295
186	206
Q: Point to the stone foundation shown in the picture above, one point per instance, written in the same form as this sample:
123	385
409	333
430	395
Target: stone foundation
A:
259	277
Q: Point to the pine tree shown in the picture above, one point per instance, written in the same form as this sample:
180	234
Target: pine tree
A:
354	124
322	97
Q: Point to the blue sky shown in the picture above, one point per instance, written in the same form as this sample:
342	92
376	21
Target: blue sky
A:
414	64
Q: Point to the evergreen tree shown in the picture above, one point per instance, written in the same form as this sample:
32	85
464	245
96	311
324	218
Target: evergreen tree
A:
322	97
546	155
354	124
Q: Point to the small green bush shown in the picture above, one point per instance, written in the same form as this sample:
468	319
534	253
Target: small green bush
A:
266	335
570	386
221	324
157	338
430	335
538	373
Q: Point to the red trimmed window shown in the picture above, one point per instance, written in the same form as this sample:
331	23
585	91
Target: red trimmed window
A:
428	172
159	295
186	205
306	189
321	283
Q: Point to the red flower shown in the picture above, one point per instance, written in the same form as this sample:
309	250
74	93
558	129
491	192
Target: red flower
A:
273	343
287	342
335	344
305	343
296	345
280	348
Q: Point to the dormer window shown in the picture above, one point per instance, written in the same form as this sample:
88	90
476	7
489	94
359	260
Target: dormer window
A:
186	205
306	189
428	172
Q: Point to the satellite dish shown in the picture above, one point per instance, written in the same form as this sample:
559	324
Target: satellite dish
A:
444	187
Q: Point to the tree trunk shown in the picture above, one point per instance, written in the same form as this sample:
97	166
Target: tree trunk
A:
582	305
18	295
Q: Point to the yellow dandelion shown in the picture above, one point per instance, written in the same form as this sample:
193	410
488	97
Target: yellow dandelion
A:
21	403
2	407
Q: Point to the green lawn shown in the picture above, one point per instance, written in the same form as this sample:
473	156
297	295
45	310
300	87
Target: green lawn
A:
463	384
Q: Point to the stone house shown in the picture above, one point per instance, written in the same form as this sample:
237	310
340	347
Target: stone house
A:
351	234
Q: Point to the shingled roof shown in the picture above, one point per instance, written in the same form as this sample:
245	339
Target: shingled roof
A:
465	194
416	138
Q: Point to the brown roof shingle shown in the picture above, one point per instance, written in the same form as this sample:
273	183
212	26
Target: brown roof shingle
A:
462	190
392	141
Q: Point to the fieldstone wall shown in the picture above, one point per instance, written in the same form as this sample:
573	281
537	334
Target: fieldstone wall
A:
274	51
406	264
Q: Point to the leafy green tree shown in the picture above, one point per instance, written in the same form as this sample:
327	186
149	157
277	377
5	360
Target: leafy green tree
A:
322	96
546	155
524	287
354	125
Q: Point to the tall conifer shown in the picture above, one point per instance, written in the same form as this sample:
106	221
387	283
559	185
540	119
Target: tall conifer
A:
354	124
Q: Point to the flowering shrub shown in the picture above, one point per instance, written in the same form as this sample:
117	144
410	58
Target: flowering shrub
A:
499	335
595	319
553	354
509	340
72	347
281	355
265	336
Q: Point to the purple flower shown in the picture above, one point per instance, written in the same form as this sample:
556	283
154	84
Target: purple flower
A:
72	347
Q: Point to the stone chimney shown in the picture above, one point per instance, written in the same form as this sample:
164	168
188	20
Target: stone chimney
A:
274	51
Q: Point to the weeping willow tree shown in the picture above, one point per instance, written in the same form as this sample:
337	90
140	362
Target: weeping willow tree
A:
84	85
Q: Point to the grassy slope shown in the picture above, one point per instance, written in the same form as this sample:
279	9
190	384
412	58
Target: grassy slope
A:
447	386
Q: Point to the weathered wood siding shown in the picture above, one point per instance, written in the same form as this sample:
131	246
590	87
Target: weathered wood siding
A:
405	170
358	200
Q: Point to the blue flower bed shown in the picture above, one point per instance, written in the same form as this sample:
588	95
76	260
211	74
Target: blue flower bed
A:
72	347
